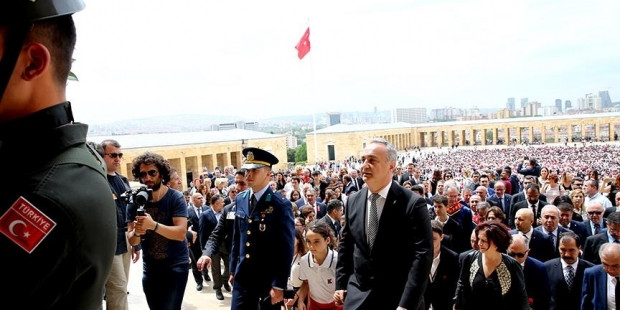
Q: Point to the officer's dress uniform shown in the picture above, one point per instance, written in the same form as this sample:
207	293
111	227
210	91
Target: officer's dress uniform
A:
262	251
57	214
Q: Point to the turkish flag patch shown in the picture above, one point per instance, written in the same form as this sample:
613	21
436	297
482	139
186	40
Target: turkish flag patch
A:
25	225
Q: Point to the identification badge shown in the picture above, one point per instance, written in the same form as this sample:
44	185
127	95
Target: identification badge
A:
25	225
230	215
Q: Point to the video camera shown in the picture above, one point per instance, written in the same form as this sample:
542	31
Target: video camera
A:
138	197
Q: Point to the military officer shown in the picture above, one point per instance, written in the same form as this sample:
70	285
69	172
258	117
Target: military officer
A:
263	238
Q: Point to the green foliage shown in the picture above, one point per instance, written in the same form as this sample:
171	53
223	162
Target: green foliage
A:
290	155
301	153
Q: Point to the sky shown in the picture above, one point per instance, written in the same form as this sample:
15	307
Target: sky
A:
142	58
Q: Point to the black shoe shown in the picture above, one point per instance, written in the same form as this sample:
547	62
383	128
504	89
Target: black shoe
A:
227	287
199	287
207	278
219	295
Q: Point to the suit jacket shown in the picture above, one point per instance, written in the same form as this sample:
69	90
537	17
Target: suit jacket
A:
579	229
360	182
263	242
442	287
537	284
507	198
459	236
521	197
588	227
406	177
350	188
592	245
594	290
208	222
561	297
561	230
335	227
525	204
386	276
220	238
610	210
541	246
194	221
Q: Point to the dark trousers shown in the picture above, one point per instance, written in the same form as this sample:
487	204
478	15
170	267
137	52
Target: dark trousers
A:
194	254
252	298
164	288
220	278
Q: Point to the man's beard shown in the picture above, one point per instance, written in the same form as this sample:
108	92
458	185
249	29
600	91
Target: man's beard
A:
156	186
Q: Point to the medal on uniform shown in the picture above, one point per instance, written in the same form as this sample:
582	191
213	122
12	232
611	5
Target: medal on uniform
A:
261	227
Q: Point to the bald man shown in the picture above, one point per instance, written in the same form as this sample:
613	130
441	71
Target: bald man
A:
534	271
600	291
539	244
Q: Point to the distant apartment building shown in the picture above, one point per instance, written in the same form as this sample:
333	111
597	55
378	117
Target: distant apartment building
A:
524	102
446	114
550	110
592	102
409	115
530	109
605	99
510	104
503	113
568	105
238	124
558	104
291	141
333	118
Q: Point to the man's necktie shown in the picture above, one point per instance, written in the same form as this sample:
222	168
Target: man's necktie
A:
527	240
570	277
617	291
552	238
252	203
597	228
373	219
533	207
199	211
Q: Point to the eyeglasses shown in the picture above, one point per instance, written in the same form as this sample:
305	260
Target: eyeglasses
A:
152	173
114	155
595	212
519	255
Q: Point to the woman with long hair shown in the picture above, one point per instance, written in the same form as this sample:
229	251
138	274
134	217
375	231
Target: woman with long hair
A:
542	179
578	198
552	188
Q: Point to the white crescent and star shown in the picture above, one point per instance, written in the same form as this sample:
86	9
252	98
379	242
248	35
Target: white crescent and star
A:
12	226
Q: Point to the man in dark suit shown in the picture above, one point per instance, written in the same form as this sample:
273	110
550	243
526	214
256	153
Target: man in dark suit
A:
540	245
596	289
459	235
595	223
320	209
263	238
593	243
220	239
566	220
332	218
550	216
409	175
563	296
444	273
534	272
532	202
357	180
371	273
521	195
195	251
349	186
501	198
208	221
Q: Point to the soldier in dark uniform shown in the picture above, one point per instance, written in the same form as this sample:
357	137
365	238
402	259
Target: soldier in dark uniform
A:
57	214
263	238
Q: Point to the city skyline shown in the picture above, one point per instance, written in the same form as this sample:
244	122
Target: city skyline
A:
238	58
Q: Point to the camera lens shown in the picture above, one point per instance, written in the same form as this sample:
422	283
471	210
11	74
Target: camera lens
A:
141	198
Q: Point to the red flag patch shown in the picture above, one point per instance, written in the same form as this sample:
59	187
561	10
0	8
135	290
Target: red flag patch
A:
25	225
303	47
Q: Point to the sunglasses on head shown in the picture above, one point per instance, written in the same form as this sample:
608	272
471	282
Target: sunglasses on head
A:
519	255
152	173
114	155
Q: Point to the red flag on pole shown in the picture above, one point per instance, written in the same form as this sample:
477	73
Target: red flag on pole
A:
303	47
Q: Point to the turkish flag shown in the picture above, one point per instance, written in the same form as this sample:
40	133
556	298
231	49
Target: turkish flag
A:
303	47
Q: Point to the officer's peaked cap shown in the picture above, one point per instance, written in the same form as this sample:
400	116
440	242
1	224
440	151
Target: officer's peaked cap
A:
30	11
256	158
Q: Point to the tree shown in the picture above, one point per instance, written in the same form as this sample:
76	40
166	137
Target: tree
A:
301	153
290	155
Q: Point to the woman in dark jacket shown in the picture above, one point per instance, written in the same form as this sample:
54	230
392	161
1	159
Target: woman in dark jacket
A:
489	278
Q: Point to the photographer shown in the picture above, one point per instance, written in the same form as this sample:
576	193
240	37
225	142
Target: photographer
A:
161	231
